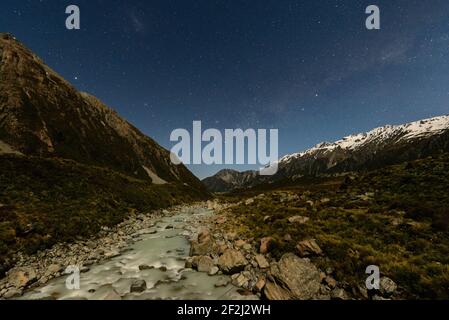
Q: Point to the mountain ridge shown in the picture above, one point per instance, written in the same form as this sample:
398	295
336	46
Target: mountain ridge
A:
42	114
386	145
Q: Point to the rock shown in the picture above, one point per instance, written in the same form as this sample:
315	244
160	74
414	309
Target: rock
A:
298	219
138	286
189	263
163	268
231	236
249	201
12	293
387	286
22	277
247	247
203	245
213	271
308	248
294	277
239	280
204	236
53	269
260	284
239	243
222	282
339	294
232	261
169	227
273	292
262	261
266	245
331	282
145	267
288	238
205	264
112	296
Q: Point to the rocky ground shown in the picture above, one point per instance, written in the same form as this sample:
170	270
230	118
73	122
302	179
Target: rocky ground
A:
252	267
216	249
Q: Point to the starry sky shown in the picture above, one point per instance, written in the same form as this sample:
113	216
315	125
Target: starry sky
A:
308	68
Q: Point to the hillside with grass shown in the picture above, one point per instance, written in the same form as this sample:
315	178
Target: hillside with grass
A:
396	217
45	201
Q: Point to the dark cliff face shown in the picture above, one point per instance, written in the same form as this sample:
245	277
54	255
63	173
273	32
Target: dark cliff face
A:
43	115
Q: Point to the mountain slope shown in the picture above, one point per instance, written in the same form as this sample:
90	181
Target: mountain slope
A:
70	165
382	146
42	115
227	179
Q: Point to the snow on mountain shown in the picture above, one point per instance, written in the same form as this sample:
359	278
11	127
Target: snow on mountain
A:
409	131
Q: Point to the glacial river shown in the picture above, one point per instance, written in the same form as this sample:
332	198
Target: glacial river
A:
164	250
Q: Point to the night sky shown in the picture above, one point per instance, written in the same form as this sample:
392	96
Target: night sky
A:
308	68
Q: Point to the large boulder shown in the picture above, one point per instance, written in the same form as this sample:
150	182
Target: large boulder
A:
232	261
22	277
203	245
293	278
205	264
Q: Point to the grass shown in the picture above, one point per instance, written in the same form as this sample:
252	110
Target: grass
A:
396	218
44	201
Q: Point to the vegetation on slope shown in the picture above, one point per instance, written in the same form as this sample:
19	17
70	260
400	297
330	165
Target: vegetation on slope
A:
44	201
396	218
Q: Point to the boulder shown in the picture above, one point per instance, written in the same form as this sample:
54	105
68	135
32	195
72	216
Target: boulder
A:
308	248
273	292
294	278
262	261
266	245
203	245
213	271
138	286
387	286
260	284
239	280
12	293
205	264
232	261
22	277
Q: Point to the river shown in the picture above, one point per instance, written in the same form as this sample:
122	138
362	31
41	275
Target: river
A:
163	248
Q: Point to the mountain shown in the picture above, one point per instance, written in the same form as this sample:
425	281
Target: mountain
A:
380	147
43	115
70	165
227	179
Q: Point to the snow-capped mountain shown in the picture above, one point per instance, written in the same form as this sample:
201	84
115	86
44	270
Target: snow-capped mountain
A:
379	147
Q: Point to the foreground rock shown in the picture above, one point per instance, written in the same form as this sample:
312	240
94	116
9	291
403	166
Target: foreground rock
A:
202	245
293	278
232	261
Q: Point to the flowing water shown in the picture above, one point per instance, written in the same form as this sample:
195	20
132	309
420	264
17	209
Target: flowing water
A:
156	247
